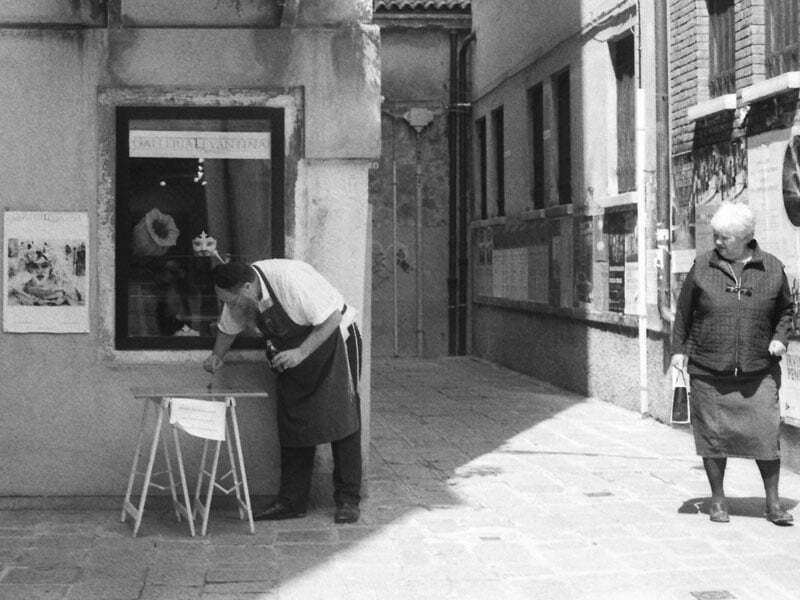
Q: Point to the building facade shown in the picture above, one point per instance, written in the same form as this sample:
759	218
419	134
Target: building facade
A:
735	75
566	157
605	135
140	137
418	286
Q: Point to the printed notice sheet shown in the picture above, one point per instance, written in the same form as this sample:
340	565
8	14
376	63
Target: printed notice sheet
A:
46	261
200	418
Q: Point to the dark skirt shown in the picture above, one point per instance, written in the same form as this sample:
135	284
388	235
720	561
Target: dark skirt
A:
736	416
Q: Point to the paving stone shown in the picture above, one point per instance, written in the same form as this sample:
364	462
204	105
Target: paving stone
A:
240	586
33	592
242	574
176	573
40	575
51	557
170	592
105	590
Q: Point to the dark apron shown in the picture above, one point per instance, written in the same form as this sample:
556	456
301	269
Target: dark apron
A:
316	400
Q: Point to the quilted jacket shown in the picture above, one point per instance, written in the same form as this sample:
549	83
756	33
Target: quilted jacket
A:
725	324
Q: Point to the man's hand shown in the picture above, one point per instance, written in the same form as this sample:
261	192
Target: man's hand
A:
213	363
776	348
288	359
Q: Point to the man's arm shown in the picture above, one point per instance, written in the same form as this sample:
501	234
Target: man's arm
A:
222	344
291	358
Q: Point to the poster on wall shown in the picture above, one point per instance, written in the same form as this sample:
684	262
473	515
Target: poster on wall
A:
774	196
584	254
719	174
616	235
45	272
772	172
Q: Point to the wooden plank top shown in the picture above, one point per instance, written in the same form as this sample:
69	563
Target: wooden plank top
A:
196	392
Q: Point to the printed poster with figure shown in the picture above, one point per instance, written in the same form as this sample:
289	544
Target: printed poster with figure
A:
46	263
774	196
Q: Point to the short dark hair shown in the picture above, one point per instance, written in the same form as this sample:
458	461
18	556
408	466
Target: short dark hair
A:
232	275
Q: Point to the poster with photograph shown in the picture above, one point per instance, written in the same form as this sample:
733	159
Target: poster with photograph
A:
45	272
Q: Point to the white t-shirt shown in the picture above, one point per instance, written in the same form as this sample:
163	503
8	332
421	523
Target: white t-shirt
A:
306	296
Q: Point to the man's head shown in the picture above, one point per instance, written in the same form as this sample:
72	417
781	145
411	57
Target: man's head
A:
235	284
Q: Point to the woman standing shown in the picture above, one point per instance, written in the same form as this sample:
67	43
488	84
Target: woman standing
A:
732	325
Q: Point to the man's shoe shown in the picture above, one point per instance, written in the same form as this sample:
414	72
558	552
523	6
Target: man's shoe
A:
719	512
346	513
779	516
277	511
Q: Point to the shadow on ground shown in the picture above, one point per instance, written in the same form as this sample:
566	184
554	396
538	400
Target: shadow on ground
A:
750	506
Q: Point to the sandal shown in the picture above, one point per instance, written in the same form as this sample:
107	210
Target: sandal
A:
779	516
719	512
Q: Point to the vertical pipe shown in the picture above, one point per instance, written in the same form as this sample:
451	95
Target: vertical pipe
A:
418	160
452	222
641	238
463	195
663	157
394	257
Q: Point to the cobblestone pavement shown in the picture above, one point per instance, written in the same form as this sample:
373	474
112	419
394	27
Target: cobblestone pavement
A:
483	484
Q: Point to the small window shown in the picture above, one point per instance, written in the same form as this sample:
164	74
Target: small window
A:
561	93
622	53
191	182
536	112
480	127
499	160
721	51
783	43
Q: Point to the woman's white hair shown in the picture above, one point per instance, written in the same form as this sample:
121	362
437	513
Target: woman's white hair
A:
734	218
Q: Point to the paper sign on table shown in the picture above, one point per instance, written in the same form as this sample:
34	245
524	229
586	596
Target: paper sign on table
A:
200	418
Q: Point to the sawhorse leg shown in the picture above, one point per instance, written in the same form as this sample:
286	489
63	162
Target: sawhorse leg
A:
245	488
127	505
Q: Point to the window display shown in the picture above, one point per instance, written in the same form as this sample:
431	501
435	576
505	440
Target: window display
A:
195	186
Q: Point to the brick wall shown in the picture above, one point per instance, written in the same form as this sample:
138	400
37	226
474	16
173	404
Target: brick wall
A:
688	65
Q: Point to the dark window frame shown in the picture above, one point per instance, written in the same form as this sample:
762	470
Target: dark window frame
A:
536	117
123	225
782	24
480	139
623	57
498	126
562	95
721	47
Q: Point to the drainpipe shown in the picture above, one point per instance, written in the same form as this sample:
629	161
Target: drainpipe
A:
452	222
641	217
663	217
394	258
463	111
641	224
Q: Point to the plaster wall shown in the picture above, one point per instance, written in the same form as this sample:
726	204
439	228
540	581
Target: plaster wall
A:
515	33
75	12
415	74
69	424
598	361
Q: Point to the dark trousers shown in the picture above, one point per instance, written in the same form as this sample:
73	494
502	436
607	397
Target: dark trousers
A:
297	463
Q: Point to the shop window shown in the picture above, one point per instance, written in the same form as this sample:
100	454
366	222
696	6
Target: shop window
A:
721	50
499	161
480	136
783	41
623	57
561	93
536	112
194	186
